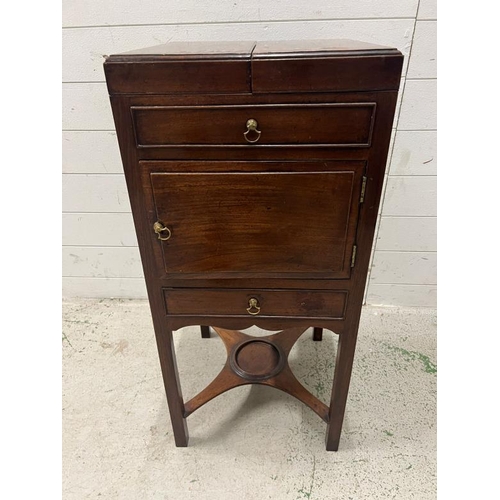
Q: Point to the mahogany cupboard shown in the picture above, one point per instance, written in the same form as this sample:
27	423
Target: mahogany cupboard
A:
254	172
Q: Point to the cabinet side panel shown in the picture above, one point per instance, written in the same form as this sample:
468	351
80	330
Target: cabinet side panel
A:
376	167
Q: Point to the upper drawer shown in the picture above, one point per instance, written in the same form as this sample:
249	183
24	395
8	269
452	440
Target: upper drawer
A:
320	125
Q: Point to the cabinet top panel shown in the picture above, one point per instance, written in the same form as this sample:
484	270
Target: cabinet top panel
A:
250	49
255	67
190	50
318	48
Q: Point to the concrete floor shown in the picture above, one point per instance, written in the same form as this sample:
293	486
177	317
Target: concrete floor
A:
252	442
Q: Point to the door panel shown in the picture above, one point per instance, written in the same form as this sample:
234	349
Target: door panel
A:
282	223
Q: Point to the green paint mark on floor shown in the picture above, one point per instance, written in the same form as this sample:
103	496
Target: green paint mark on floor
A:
307	494
388	433
320	389
66	339
429	366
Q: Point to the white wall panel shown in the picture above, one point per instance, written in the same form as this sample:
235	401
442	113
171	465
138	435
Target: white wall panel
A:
100	257
423	60
95	193
411	196
402	295
406	268
418	234
98	230
102	262
83	49
415	153
112	12
398	108
127	288
86	107
418	109
427	9
90	152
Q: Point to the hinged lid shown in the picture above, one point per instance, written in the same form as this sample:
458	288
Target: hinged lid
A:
258	67
324	66
181	67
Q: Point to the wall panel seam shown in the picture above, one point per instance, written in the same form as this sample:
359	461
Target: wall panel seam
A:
142	279
101	174
109	130
86	82
406	251
135	246
256	21
392	216
416	79
107	277
99	246
413	176
85	213
391	284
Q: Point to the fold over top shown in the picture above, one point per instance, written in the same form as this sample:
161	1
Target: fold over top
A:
255	67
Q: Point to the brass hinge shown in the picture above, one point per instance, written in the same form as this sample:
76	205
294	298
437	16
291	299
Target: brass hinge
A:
363	189
353	257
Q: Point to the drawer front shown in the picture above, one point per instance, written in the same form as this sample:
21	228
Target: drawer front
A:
243	302
321	125
294	224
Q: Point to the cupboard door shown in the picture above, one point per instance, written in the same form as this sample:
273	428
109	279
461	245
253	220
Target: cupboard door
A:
293	224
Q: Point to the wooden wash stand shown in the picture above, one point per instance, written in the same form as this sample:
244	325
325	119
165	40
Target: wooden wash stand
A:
254	172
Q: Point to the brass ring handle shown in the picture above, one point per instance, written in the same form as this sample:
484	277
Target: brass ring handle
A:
252	127
253	307
159	228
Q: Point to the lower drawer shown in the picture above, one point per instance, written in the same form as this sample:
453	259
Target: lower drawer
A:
251	302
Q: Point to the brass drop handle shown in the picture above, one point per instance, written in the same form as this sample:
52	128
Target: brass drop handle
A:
252	127
253	306
159	229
